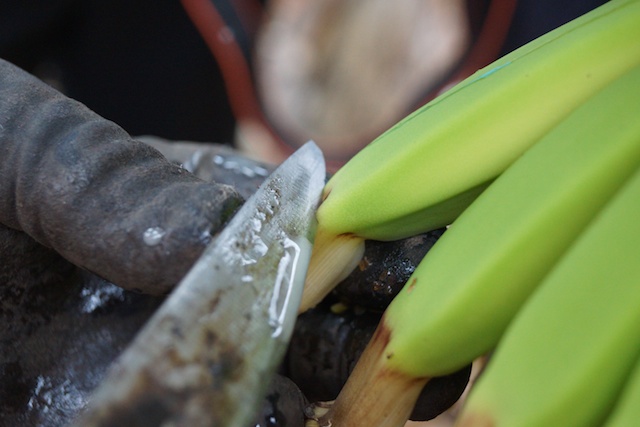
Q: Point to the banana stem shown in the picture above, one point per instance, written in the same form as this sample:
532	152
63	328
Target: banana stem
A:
332	259
374	394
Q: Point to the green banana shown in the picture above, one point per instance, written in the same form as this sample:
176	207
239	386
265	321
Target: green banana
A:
567	354
626	411
466	290
423	172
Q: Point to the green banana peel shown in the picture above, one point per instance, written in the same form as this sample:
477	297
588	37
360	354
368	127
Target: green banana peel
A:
471	133
426	170
475	279
626	411
568	353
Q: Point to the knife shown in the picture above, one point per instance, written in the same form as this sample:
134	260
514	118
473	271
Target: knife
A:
207	354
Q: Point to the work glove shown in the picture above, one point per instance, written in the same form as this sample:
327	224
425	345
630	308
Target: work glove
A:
77	187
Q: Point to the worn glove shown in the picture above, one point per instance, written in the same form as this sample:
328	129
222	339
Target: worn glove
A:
81	186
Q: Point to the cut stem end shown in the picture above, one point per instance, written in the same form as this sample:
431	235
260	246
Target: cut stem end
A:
332	259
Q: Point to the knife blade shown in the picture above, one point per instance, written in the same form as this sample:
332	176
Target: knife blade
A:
206	356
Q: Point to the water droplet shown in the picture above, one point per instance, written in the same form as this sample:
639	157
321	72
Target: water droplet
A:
153	235
218	159
193	163
238	166
95	299
247	171
261	171
205	237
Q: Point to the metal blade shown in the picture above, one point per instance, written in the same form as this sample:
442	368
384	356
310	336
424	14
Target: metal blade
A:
206	356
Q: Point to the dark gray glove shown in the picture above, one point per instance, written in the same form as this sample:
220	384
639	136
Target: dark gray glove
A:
78	184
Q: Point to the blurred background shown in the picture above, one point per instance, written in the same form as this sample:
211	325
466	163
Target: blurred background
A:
263	77
266	76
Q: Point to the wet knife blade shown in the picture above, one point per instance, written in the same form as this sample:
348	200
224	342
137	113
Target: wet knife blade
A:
206	356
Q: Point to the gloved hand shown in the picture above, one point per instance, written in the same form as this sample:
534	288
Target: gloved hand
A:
80	185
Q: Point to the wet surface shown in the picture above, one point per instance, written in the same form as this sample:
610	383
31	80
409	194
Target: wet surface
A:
326	345
215	162
284	405
57	340
62	327
384	269
207	354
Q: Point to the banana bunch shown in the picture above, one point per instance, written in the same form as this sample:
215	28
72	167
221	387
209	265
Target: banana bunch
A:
476	279
567	354
540	253
423	172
